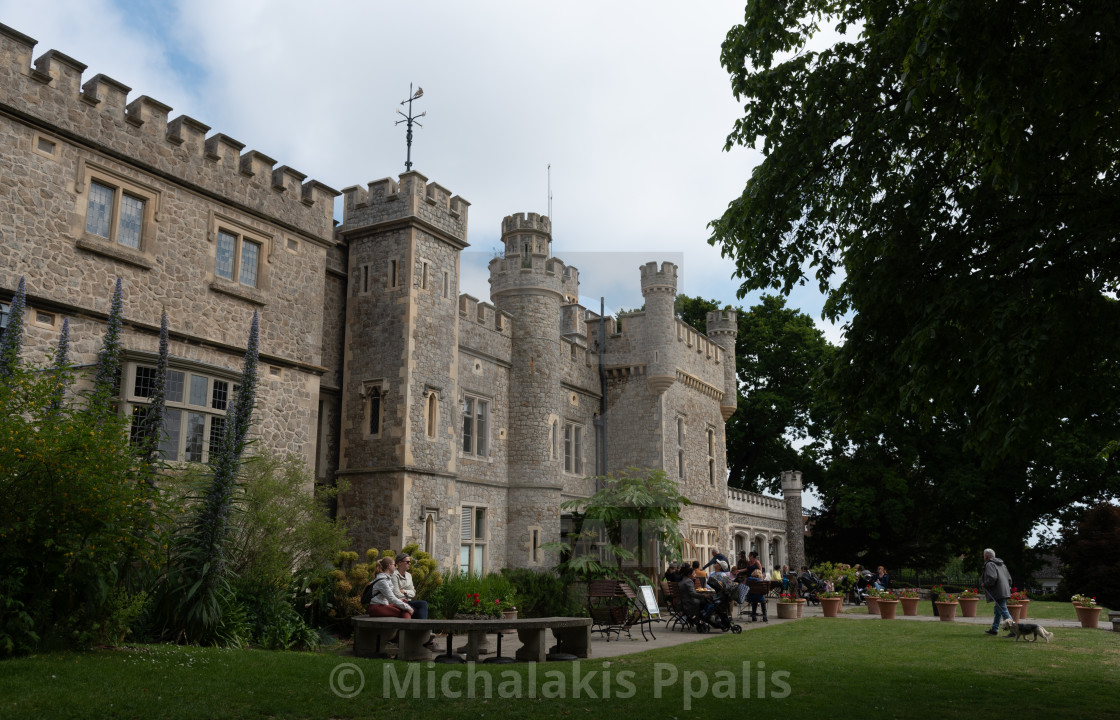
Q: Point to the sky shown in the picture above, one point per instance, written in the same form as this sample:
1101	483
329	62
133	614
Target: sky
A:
621	108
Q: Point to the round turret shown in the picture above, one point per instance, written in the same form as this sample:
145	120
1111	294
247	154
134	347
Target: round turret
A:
659	288
723	328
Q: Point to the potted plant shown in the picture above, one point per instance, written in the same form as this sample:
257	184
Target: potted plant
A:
888	605
830	602
787	607
1020	597
1013	605
473	606
872	600
909	598
946	607
969	599
1088	613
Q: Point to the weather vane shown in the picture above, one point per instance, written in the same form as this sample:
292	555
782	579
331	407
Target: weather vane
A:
411	120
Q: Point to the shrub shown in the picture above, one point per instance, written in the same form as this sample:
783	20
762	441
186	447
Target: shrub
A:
74	513
541	593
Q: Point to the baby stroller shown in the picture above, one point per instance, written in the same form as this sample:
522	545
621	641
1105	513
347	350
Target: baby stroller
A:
811	587
718	612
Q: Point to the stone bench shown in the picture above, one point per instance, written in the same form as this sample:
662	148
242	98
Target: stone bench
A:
1114	618
573	635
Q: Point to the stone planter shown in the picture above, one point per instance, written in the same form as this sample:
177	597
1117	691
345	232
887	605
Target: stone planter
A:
831	606
872	605
508	615
1089	616
787	611
801	606
888	609
909	606
1015	610
946	611
968	606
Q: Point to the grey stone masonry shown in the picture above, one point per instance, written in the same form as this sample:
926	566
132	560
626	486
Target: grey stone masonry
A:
458	423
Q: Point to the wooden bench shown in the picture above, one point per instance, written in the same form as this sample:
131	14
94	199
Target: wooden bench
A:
614	608
573	635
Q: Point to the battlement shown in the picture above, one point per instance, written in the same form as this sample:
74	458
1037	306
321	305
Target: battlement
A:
97	114
537	271
484	314
722	321
661	280
522	222
411	190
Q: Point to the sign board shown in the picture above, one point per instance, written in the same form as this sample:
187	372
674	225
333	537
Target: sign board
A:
651	601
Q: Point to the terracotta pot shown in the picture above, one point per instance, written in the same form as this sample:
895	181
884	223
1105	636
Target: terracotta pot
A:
1077	604
1015	609
1023	612
909	606
888	609
1088	616
787	611
831	606
947	611
801	607
872	605
968	606
508	615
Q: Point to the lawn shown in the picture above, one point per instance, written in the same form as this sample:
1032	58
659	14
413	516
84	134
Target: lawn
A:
810	668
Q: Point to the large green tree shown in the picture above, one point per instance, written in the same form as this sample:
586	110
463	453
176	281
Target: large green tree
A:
778	354
948	173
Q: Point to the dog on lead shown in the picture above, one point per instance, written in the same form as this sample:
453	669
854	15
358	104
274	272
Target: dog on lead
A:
1025	630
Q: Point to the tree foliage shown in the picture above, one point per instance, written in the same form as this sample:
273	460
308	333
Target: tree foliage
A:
950	175
779	353
1090	554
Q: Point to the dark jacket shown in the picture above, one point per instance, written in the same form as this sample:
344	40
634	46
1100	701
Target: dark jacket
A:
690	599
996	580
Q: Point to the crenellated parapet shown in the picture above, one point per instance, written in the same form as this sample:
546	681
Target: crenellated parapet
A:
96	115
484	314
659	280
526	222
411	197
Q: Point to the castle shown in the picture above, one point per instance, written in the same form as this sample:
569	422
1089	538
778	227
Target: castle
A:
459	424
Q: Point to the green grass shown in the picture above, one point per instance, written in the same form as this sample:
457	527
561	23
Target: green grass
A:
833	668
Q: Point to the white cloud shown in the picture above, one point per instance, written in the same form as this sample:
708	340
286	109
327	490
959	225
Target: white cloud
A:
626	100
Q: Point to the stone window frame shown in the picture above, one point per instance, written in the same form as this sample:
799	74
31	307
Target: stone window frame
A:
431	412
704	538
5	314
41	318
711	456
476	400
55	153
535	552
243	232
681	435
89	172
574	447
393	270
133	404
474	540
373	396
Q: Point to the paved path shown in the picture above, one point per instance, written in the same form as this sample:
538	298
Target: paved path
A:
601	648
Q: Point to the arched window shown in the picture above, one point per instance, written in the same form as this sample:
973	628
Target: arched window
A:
430	535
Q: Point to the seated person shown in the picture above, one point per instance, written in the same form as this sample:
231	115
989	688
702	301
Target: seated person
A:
756	593
741	563
383	600
406	589
786	577
693	604
697	572
674	573
882	579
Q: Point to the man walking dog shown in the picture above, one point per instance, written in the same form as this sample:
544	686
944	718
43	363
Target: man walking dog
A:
996	582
